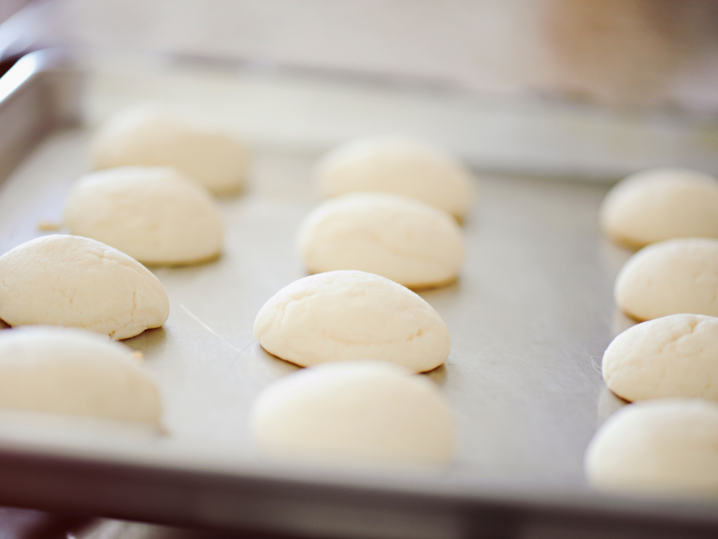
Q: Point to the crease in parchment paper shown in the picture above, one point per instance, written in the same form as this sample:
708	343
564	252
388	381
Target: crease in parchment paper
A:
210	330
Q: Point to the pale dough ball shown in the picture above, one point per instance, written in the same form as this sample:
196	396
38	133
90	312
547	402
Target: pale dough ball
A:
153	136
673	356
153	214
341	315
661	204
78	282
355	411
670	277
399	166
399	238
666	445
70	371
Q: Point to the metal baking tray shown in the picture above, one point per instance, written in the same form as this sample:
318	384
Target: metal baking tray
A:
529	317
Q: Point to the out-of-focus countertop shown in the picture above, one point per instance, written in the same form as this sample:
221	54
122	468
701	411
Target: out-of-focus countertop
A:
619	52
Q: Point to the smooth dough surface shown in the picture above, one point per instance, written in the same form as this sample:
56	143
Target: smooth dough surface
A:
666	445
70	371
78	282
354	411
342	315
670	277
399	238
399	166
672	356
661	204
154	136
154	214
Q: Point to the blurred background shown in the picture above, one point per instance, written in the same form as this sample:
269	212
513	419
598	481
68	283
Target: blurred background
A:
622	53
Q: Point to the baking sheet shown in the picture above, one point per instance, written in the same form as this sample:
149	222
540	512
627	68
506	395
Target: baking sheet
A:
529	318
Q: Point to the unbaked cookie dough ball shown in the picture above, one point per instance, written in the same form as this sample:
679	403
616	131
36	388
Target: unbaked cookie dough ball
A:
342	315
661	446
70	371
154	214
78	282
661	204
673	356
153	136
670	277
399	238
399	166
358	411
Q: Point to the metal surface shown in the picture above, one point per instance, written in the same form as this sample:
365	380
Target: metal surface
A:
529	319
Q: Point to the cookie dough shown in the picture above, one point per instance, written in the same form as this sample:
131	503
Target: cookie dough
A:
360	411
78	282
670	277
70	371
342	315
155	136
154	214
666	445
399	238
673	356
399	166
661	204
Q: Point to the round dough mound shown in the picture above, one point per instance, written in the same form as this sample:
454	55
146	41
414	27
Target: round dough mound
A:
402	167
341	315
670	277
153	214
70	371
667	445
354	411
151	136
396	237
78	282
673	356
661	204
